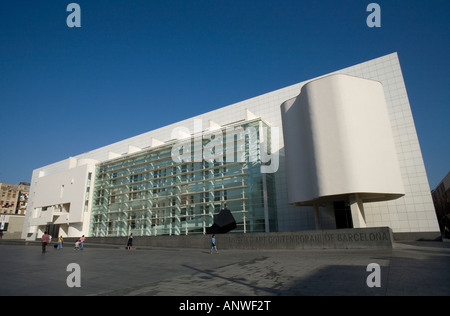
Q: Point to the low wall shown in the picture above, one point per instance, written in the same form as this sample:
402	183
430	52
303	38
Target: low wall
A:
418	236
357	238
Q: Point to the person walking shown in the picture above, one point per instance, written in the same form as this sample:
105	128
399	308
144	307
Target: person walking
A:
45	240
213	244
60	242
82	239
130	242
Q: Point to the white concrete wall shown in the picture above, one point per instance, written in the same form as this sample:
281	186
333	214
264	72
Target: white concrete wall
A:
338	141
66	187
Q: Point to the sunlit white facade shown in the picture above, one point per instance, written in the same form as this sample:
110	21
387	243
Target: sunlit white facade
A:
335	151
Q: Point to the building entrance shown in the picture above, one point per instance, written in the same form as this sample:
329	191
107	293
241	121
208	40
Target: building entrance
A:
343	214
53	230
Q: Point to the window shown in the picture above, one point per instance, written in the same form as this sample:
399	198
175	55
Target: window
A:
134	178
173	198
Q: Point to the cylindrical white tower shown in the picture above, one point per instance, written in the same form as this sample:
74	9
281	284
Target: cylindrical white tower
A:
339	144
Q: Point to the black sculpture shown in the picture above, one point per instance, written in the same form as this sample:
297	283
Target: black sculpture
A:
223	223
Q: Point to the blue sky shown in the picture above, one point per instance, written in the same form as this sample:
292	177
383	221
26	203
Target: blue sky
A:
134	66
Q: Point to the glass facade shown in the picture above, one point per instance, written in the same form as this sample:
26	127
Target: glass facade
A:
178	187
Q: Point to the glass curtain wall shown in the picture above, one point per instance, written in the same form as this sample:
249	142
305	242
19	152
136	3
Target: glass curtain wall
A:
150	193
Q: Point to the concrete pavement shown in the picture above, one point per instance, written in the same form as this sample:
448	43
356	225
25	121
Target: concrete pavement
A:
418	268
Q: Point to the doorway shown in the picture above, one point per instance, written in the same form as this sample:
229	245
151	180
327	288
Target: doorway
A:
343	214
53	230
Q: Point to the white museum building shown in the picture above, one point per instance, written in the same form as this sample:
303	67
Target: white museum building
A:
337	151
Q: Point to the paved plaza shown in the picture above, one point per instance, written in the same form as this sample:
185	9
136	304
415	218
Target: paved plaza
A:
418	268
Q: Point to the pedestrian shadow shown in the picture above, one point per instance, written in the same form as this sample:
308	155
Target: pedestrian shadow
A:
331	280
210	274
